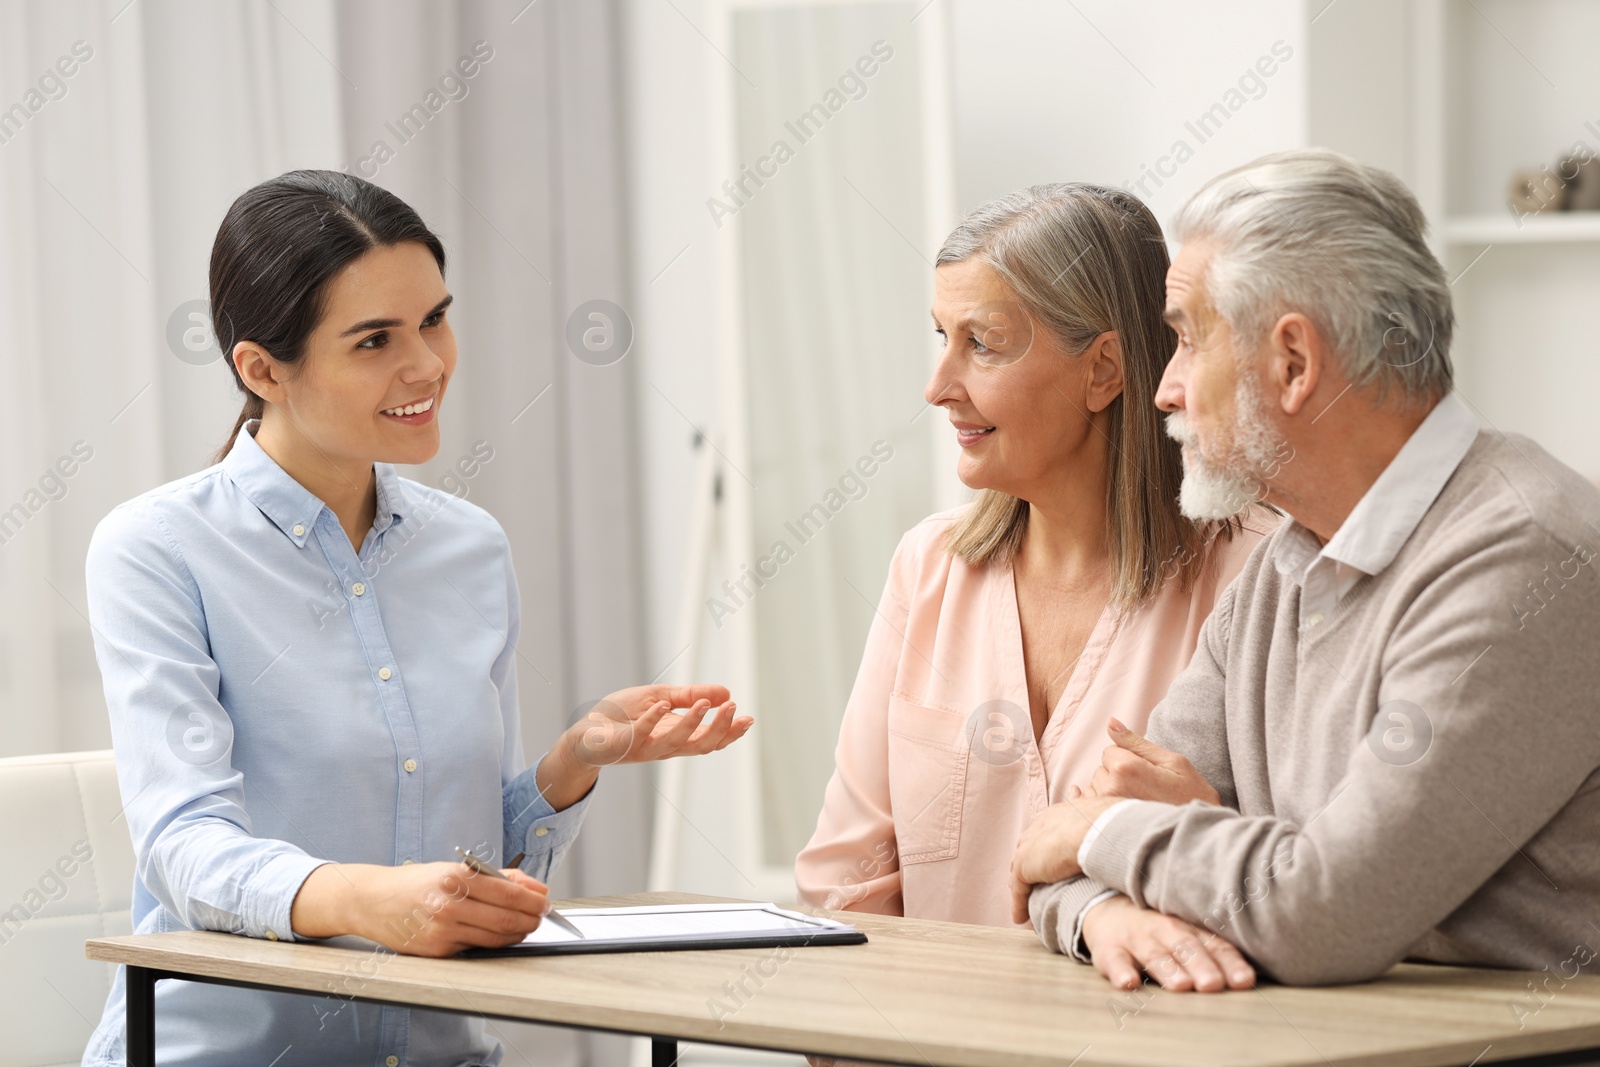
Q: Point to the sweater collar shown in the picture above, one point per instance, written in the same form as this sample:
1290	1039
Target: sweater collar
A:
1389	512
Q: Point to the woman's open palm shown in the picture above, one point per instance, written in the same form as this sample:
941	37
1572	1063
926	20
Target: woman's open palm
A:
638	724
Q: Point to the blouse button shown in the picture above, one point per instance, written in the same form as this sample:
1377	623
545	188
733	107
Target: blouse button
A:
393	1061
271	936
541	831
411	765
385	673
359	588
299	530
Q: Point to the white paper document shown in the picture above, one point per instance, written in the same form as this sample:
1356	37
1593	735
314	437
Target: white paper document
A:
684	922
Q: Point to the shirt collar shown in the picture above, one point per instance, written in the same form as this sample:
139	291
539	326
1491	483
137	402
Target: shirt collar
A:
291	506
1388	513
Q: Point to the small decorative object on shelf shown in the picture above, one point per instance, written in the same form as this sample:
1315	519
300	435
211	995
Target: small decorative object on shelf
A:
1582	174
1574	185
1534	191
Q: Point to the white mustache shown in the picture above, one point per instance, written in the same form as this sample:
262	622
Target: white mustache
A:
1178	429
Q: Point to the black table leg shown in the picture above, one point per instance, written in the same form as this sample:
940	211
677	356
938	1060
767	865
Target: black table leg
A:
141	1016
663	1052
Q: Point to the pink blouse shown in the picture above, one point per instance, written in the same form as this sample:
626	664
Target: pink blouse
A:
937	772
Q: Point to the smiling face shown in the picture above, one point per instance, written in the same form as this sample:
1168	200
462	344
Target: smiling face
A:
1213	395
1017	401
370	383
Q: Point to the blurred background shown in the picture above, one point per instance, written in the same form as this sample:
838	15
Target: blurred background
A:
691	245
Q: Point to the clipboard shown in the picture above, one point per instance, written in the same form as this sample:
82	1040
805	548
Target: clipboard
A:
677	927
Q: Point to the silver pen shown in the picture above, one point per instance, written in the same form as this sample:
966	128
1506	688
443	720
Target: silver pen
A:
483	868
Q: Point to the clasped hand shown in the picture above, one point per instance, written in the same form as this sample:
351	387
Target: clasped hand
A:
1124	939
1135	768
1131	768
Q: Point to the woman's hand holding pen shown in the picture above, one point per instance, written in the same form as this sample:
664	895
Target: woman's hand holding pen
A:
638	725
420	909
438	909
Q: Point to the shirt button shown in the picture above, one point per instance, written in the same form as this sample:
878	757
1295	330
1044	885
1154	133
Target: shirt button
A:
541	831
299	530
411	765
271	935
359	588
385	673
407	863
1314	618
393	1061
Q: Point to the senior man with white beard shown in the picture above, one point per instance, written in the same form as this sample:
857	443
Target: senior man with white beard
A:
1386	745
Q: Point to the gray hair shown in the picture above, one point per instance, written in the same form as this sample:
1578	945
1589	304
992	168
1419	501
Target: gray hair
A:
1085	260
1344	243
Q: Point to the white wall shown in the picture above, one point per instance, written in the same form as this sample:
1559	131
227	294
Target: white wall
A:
1516	86
1521	93
1044	93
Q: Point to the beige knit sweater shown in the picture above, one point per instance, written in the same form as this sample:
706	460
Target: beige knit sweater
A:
1417	776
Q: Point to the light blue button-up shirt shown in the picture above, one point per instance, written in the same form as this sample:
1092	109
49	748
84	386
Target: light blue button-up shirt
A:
279	701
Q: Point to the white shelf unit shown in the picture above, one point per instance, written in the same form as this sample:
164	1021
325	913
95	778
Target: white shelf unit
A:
1556	227
1497	86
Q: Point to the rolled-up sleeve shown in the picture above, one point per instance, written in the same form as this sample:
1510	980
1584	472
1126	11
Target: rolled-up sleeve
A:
184	799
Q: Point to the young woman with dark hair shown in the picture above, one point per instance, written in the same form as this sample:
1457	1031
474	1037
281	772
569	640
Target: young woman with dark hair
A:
310	662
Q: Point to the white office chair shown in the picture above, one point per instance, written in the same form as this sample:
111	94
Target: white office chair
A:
51	997
66	874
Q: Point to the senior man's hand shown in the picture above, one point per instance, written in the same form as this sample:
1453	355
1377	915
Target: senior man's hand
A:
1048	848
1135	767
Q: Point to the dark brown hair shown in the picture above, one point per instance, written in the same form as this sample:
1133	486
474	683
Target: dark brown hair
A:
278	247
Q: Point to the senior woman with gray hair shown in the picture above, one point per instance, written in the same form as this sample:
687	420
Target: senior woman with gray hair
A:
1391	712
1016	631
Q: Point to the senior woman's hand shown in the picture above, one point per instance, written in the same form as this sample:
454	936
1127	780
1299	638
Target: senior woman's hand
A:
1048	849
638	725
1139	769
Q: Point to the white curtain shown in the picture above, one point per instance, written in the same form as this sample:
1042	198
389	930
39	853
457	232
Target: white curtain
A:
836	280
113	179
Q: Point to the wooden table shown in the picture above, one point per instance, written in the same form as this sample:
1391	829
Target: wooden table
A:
925	993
